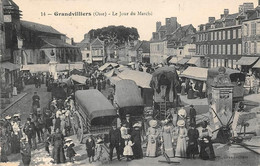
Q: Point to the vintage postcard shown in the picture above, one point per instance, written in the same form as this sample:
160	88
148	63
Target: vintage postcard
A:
129	82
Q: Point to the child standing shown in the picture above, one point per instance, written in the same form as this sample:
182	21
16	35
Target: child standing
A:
128	152
70	151
99	148
90	147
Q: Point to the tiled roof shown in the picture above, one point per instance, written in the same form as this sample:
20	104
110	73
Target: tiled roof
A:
83	45
137	46
97	41
229	16
55	43
39	27
145	46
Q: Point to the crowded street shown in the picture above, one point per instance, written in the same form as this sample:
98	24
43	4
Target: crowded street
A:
133	83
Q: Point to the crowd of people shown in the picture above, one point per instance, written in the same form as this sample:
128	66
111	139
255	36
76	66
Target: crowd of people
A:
50	126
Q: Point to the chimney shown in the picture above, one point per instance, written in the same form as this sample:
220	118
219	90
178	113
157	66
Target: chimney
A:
72	41
158	25
226	12
211	19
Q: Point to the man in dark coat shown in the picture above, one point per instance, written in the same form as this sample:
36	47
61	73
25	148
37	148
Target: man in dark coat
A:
192	114
99	86
58	150
193	135
36	99
30	131
114	139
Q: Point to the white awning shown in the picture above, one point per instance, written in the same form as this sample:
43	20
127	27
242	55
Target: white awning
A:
194	61
183	61
247	61
71	66
10	66
97	58
36	68
196	73
142	79
78	78
257	65
174	60
107	65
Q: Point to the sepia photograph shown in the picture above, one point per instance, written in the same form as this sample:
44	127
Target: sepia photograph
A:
129	82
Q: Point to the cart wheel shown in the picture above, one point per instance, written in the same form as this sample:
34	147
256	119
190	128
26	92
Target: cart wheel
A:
78	126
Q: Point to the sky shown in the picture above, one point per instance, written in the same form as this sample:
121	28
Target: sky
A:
187	12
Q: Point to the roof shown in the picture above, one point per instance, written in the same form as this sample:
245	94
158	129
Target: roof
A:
173	60
78	78
39	27
90	102
10	66
194	61
55	43
137	46
10	3
127	94
97	41
196	73
257	65
145	46
183	61
142	79
106	65
247	60
162	28
36	68
83	45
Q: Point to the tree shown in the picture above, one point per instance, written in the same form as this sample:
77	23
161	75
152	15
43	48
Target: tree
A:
114	34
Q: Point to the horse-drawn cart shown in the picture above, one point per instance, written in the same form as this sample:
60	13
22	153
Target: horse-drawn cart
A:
128	99
94	114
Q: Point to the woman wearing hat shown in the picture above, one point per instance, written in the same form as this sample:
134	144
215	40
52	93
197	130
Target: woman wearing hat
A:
136	139
181	142
16	134
167	137
152	135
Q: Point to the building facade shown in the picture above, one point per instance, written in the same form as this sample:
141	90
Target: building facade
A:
42	44
97	49
251	40
219	42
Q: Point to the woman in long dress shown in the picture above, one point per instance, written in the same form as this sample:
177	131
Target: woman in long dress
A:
152	135
136	139
167	136
181	142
